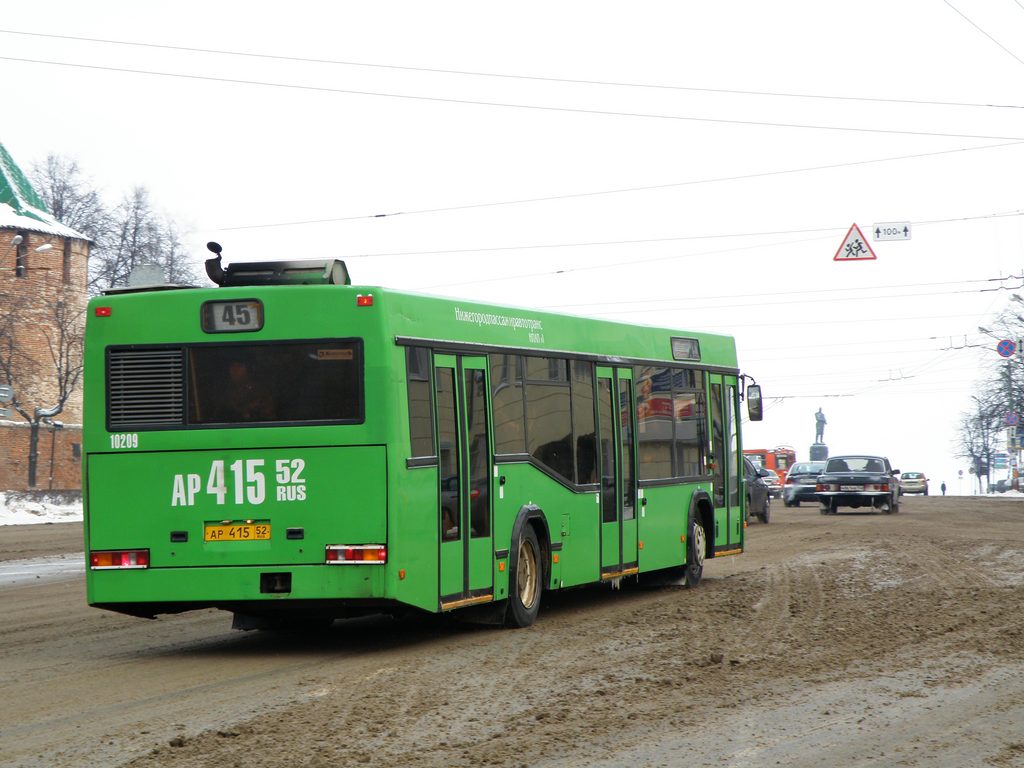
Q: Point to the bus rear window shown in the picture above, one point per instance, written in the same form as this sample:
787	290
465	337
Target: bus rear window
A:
319	381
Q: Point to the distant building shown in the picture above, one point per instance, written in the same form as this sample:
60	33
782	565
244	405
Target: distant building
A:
43	265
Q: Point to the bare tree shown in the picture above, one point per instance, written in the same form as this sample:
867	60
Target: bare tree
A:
64	337
131	234
72	199
16	365
179	268
140	236
979	432
40	394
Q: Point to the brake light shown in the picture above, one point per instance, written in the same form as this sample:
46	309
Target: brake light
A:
102	311
355	554
364	301
119	558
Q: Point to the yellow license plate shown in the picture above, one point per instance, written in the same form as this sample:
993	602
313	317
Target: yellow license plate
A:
236	532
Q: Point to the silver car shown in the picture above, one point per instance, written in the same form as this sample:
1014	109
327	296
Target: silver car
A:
914	482
800	482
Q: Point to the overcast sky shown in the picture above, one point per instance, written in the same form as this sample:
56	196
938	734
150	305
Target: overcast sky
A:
678	164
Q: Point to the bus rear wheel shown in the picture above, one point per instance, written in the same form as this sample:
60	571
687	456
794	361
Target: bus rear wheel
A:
524	580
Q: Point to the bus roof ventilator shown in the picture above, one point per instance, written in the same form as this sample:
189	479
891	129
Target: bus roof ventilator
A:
306	272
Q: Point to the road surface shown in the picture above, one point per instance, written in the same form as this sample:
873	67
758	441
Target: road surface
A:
850	640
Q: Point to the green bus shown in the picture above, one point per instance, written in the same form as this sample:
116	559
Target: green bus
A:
294	449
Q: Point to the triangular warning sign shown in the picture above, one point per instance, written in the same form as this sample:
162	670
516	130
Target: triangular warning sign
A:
855	247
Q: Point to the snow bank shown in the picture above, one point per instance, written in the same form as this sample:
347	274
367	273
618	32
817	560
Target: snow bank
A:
22	509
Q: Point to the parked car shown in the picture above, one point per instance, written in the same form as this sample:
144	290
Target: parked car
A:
914	482
773	481
801	483
758	499
858	481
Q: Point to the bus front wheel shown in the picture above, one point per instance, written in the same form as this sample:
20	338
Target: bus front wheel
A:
524	580
696	546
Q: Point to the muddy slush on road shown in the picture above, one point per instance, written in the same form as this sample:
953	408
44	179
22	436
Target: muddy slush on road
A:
849	640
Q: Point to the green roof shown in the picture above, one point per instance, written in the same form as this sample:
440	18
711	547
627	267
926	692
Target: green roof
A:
21	207
15	190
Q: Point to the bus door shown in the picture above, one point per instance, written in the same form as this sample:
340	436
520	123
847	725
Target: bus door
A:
617	457
464	462
727	474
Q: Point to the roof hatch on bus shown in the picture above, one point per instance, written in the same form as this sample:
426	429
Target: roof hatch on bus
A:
305	272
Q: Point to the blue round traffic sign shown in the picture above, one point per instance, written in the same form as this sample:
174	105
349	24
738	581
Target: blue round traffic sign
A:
1012	419
1006	348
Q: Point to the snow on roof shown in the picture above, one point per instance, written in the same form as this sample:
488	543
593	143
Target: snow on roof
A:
20	206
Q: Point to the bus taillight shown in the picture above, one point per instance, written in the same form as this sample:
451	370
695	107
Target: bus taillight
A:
348	554
119	558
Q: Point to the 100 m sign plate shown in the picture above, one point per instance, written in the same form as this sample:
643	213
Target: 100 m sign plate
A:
236	532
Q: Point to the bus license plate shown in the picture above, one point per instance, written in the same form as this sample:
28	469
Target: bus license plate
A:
236	532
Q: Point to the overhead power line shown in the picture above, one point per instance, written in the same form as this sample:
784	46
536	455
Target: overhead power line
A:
639	241
760	295
511	105
986	34
802	322
622	190
776	304
673	257
505	75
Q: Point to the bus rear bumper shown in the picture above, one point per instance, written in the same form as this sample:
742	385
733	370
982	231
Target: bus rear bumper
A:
254	589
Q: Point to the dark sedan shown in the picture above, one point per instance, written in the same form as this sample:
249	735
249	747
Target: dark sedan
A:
858	481
759	501
802	483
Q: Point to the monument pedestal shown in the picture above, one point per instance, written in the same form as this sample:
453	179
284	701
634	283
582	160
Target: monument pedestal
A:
819	452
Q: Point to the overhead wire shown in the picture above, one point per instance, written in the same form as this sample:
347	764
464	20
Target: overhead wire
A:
633	261
1013	140
815	291
603	112
512	105
982	31
774	304
623	190
508	76
678	238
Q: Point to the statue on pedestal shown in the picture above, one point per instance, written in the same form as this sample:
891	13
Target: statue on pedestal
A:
819	427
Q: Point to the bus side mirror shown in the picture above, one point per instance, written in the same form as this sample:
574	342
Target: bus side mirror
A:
754	409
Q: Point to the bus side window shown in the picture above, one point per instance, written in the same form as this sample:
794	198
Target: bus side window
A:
421	412
507	404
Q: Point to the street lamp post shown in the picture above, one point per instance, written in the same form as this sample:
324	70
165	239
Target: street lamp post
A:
20	268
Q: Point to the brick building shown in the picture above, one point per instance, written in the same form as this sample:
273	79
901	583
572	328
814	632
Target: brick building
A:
43	279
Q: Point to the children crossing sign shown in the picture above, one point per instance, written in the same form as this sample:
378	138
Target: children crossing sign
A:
855	247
